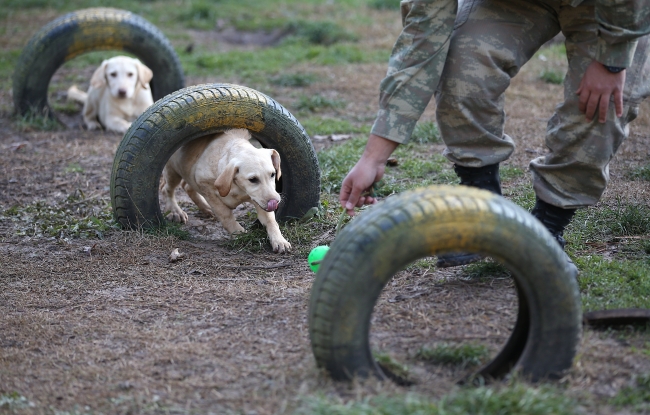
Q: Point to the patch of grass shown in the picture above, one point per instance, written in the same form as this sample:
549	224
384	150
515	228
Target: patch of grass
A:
300	232
426	132
8	60
76	217
640	173
36	121
463	355
424	263
631	220
613	284
259	64
384	4
66	107
336	161
295	80
321	32
551	76
31	4
314	103
326	126
12	402
507	172
635	397
515	398
486	269
417	167
172	229
73	168
202	14
254	239
387	362
523	196
603	223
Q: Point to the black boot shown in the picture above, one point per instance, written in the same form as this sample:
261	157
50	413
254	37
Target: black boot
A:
555	219
486	177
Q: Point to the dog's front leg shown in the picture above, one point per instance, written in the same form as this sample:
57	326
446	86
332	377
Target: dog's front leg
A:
90	113
172	179
223	213
278	243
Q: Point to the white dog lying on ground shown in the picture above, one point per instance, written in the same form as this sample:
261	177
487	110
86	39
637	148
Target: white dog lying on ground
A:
119	92
220	172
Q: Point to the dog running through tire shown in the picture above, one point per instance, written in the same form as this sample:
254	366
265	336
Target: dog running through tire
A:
85	31
431	221
199	111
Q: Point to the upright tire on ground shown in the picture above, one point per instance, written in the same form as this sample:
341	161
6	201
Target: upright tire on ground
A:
197	111
431	221
85	31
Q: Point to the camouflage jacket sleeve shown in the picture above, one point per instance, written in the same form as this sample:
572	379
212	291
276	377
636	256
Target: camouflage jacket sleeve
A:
621	23
414	67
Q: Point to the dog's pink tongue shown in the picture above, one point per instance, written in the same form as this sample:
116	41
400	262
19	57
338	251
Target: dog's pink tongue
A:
272	205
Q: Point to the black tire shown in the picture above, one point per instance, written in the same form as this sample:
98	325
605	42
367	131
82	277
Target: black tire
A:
85	31
197	111
435	220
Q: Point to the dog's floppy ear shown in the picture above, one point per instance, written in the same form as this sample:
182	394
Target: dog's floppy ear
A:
275	158
98	80
225	179
144	74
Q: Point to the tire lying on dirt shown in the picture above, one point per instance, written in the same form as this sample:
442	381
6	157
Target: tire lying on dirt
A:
436	220
85	31
197	111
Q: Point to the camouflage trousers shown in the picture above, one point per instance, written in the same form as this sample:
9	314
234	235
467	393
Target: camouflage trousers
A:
497	38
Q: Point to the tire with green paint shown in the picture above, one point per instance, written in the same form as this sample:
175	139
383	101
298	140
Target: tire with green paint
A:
85	31
201	110
432	221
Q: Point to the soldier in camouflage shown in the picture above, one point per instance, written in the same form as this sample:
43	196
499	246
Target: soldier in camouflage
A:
607	50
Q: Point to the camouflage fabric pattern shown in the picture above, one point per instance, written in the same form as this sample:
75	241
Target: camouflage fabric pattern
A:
415	66
497	39
620	24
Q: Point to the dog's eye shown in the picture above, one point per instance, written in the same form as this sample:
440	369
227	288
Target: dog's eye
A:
113	74
254	180
130	74
272	175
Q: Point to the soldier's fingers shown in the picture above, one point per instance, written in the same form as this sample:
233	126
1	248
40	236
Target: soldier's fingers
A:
344	195
602	109
592	106
353	200
618	102
366	200
582	101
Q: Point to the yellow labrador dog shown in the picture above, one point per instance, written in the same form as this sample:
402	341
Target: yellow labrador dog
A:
220	172
119	92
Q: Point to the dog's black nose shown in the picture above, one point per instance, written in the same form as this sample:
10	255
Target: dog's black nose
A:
121	93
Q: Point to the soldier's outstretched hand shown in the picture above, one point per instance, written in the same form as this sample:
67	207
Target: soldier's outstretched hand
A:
368	170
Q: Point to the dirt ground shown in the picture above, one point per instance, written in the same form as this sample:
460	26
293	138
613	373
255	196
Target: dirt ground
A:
110	325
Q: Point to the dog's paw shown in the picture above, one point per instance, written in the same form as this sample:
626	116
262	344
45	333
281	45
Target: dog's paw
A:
177	216
93	125
280	245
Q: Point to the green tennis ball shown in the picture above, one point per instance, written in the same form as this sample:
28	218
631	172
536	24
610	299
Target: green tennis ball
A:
316	256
